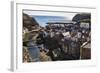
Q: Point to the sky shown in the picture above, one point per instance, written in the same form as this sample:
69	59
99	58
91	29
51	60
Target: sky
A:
43	19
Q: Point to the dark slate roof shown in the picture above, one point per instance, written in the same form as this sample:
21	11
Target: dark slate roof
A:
81	16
